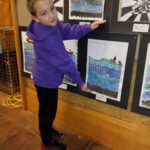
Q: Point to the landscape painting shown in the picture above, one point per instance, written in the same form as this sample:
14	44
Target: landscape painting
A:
106	61
86	9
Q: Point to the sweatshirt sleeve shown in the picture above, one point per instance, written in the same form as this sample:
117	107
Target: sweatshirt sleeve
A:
60	60
74	31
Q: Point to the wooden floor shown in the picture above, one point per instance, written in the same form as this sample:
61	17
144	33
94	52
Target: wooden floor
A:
19	131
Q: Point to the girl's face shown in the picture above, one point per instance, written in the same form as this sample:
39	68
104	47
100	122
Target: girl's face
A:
45	12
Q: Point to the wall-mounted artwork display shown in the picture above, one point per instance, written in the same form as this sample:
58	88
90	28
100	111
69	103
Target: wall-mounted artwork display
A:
131	16
59	4
141	98
27	51
109	64
86	9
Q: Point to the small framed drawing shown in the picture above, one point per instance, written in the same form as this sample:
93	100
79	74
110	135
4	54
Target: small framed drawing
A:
27	52
86	11
109	60
130	16
141	98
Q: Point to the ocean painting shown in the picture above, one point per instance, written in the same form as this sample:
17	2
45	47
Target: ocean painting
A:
72	49
28	53
145	93
86	9
106	62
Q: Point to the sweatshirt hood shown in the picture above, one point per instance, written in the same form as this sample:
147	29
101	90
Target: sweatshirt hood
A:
37	31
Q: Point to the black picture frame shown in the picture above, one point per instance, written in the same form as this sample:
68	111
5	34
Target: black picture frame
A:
139	105
107	15
130	25
27	52
131	39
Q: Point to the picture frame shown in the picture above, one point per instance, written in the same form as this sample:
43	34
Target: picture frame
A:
86	10
110	68
71	47
141	101
27	52
130	16
81	20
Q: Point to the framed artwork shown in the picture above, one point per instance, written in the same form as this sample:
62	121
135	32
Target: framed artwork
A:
27	51
86	9
109	61
59	4
141	98
131	16
72	49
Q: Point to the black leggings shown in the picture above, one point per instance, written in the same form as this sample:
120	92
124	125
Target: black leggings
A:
47	98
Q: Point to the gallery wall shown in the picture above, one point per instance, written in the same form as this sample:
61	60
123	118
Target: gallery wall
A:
121	109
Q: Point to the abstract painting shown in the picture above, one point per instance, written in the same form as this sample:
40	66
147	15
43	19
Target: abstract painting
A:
141	96
27	52
86	9
106	62
134	10
59	4
130	16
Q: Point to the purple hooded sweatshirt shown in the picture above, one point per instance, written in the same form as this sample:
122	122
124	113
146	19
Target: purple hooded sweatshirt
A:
51	59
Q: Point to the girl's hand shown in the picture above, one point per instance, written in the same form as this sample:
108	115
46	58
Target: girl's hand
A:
84	88
96	24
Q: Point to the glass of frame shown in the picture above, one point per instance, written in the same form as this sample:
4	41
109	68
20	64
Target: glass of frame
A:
27	52
141	98
130	16
109	60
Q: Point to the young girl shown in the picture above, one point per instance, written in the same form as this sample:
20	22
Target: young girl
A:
51	63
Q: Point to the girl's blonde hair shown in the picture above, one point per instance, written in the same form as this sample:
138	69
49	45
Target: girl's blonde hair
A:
30	6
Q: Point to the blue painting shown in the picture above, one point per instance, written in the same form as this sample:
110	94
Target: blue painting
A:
28	53
145	94
105	67
72	50
134	11
86	9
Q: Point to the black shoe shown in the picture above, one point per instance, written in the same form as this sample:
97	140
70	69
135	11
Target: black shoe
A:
56	135
54	146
